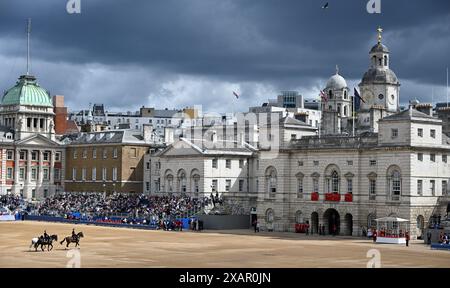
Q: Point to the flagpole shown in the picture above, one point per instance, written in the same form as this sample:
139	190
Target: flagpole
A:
353	115
28	45
321	113
432	98
447	87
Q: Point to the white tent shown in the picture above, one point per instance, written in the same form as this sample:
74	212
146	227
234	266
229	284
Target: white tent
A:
392	230
391	219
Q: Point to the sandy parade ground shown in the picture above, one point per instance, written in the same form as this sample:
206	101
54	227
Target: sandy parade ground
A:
122	247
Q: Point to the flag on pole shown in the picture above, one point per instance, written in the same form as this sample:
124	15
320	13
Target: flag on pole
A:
324	96
357	95
236	95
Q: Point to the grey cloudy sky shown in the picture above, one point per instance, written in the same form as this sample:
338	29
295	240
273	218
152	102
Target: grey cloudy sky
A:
177	53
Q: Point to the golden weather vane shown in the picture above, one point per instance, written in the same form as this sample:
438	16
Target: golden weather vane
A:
379	30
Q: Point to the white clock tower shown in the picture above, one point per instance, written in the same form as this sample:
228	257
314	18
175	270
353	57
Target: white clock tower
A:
380	89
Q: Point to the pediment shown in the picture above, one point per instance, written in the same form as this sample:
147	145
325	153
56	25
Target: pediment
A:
349	175
37	140
372	175
315	175
180	148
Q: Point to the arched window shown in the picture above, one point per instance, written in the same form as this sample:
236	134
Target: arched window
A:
420	222
269	216
330	94
332	179
394	183
182	181
169	182
300	177
345	94
345	111
335	182
385	61
195	181
271	181
299	217
380	61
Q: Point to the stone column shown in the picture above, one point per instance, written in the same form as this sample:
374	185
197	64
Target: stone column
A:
41	165
3	175
28	174
51	171
16	189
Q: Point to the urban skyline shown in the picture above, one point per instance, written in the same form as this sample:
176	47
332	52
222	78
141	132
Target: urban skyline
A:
179	63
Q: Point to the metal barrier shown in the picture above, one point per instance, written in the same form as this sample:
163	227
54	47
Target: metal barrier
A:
79	221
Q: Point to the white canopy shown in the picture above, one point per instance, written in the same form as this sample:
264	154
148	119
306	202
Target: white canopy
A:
391	219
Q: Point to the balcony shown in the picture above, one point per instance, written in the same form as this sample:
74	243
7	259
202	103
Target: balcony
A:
334	197
314	196
349	197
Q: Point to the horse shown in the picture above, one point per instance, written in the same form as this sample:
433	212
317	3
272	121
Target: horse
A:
75	239
44	242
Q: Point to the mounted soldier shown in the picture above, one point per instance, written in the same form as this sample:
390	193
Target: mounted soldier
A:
74	235
46	237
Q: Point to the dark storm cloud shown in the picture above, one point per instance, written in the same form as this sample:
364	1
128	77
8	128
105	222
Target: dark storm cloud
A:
288	44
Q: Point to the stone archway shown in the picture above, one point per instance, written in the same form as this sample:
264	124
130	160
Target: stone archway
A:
332	221
420	226
348	225
314	223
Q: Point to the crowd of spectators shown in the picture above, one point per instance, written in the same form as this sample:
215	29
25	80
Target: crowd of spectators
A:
128	205
11	203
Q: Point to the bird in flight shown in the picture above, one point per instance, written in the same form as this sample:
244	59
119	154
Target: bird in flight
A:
325	6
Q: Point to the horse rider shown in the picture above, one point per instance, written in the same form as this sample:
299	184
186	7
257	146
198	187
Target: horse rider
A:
74	235
46	236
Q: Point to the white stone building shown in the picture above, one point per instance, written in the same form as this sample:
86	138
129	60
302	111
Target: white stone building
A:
32	161
200	168
350	181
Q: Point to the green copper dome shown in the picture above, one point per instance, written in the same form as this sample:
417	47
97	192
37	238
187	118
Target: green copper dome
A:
27	92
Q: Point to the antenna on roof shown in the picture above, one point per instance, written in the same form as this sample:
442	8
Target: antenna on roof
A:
28	45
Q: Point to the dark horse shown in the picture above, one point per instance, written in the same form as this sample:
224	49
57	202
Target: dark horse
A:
75	239
44	242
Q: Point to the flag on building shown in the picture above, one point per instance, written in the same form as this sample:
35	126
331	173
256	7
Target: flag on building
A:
358	96
324	96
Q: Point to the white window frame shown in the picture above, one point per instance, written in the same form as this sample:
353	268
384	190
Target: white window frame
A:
34	176
10	155
9	173
115	153
228	185
114	173
45	174
420	187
